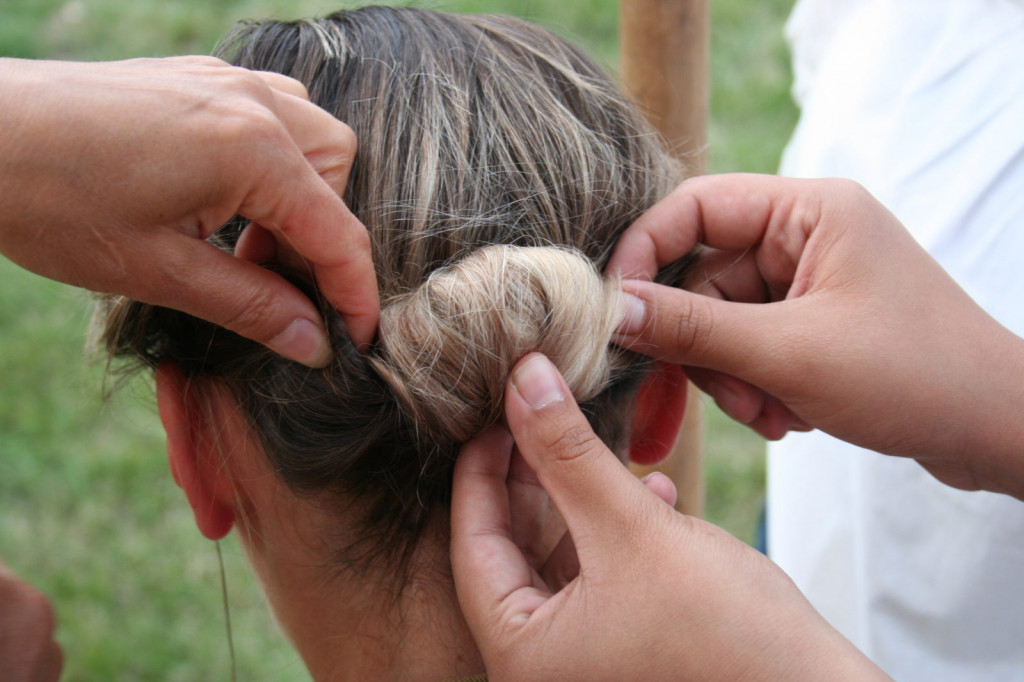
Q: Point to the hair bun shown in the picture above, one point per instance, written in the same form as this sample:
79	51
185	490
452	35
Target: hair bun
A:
447	348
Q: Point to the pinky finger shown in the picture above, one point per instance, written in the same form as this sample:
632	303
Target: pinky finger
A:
747	404
738	399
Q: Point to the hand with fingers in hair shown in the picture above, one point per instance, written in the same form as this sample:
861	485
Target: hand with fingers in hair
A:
814	307
113	175
635	590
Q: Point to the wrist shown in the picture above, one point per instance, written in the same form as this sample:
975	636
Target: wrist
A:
836	659
814	650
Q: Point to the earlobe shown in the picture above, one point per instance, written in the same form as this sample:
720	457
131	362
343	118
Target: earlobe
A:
658	415
194	465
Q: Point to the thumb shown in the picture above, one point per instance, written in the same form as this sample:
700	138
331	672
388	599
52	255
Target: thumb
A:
678	326
592	489
198	278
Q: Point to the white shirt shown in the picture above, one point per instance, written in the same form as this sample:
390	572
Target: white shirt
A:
922	101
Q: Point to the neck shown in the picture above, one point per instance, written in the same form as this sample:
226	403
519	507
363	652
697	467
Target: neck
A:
357	629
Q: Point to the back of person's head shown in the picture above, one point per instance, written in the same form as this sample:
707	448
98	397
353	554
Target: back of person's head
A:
496	168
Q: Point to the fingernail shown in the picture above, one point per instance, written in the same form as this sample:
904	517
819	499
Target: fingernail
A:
634	313
537	381
303	342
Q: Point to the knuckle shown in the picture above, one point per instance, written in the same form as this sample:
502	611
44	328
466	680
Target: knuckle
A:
254	317
294	86
346	139
251	132
246	81
359	240
237	121
272	80
848	186
334	157
243	108
692	327
202	61
850	191
258	125
573	444
345	147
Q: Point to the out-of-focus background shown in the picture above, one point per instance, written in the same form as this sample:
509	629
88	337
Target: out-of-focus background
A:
88	510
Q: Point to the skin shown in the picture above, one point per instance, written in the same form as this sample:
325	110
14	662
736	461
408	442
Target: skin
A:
28	650
345	625
864	335
112	175
739	616
815	308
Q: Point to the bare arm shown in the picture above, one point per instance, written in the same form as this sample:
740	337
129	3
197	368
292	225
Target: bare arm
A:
113	174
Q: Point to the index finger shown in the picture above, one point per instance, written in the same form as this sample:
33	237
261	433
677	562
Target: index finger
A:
328	145
493	579
730	212
336	244
300	203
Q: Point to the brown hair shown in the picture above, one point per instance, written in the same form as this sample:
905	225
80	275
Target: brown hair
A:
473	131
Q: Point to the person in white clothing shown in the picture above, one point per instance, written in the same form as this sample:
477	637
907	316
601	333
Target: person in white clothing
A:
922	102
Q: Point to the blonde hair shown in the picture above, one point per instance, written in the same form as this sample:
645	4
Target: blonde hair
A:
474	131
446	348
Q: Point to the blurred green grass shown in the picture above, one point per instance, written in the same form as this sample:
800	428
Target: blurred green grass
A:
88	511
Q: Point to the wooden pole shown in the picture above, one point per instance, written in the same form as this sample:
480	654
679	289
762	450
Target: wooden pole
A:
666	49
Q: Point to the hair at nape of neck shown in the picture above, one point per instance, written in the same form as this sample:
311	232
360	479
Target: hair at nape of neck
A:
446	349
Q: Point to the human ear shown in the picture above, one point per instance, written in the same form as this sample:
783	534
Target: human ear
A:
658	414
195	464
